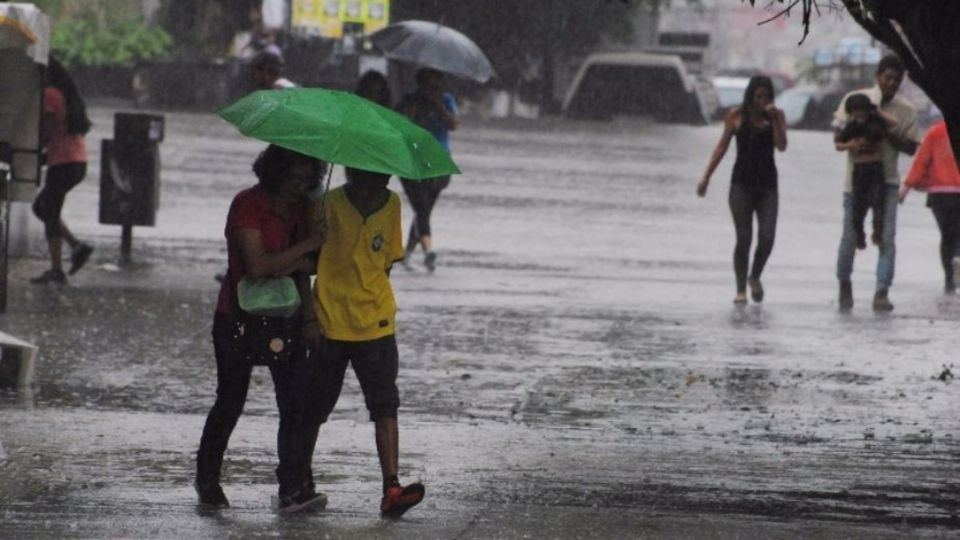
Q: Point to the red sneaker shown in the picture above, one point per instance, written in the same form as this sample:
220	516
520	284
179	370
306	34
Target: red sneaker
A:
398	499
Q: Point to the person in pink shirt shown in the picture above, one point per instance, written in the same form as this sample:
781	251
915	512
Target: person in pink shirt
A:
62	129
935	171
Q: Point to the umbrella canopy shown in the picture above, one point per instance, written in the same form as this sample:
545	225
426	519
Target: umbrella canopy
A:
433	45
24	27
341	128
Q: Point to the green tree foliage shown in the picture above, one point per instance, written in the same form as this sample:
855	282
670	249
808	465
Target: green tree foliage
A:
87	42
102	32
204	28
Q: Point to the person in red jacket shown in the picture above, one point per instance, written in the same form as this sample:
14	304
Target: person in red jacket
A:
935	171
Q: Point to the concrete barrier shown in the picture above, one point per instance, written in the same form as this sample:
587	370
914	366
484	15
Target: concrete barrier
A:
17	362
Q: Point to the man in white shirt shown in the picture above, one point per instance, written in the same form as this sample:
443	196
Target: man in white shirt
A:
902	137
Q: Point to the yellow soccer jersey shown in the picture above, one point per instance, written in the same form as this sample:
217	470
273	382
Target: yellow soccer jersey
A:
355	301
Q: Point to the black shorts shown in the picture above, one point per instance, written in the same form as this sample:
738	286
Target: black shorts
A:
375	363
60	180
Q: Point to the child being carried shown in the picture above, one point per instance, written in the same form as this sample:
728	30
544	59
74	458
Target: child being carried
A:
861	136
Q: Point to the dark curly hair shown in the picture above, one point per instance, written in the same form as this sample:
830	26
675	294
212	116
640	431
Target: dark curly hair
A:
274	163
891	61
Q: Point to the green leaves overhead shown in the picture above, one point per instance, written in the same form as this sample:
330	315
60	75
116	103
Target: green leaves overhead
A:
88	42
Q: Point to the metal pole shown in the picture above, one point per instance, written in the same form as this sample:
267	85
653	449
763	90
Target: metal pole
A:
4	234
126	241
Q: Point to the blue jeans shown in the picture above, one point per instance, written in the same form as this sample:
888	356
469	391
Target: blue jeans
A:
888	250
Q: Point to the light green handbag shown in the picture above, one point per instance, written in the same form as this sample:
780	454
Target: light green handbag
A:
270	297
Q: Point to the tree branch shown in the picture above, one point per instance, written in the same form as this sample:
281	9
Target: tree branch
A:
878	25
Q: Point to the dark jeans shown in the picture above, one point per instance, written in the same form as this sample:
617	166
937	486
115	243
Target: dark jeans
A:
233	380
946	210
49	202
868	194
746	201
423	195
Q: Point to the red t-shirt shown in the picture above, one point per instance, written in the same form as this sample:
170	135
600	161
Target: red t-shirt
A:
63	147
252	209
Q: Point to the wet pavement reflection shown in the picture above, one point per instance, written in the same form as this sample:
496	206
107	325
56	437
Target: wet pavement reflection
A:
575	367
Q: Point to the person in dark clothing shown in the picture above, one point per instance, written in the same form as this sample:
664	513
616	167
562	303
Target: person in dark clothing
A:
759	127
267	236
434	109
866	127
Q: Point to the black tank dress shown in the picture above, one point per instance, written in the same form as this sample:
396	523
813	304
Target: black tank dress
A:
755	167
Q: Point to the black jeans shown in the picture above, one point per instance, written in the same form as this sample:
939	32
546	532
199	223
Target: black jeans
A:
233	381
423	195
946	210
868	194
746	201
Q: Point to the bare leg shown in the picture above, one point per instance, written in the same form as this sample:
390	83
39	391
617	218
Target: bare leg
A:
413	238
426	242
67	235
388	448
56	253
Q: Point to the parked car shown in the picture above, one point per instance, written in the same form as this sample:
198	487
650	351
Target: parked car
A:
809	106
656	85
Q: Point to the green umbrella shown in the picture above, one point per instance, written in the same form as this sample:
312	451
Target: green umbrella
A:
341	128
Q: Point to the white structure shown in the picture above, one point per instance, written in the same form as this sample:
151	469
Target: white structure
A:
17	362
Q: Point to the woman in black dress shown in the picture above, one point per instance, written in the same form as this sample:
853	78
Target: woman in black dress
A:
759	127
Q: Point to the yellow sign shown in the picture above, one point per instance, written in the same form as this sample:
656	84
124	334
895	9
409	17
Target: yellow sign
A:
326	18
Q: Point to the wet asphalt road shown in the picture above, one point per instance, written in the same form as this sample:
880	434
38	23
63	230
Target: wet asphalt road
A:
574	369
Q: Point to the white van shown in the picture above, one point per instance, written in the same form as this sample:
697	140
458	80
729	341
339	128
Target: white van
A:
649	84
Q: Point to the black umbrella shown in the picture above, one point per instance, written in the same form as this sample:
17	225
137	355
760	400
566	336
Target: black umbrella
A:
433	45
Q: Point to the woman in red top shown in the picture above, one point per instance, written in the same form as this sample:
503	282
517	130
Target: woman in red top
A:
267	236
934	170
62	129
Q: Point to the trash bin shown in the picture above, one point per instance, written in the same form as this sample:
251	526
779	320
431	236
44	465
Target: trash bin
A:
130	170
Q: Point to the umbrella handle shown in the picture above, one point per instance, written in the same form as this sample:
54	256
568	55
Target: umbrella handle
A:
325	182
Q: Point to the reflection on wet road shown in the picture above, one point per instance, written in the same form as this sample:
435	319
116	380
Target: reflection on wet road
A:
577	348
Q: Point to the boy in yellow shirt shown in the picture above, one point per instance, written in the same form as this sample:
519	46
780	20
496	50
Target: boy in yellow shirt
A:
356	310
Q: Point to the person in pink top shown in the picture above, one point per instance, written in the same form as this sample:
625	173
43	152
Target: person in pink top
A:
935	171
62	129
